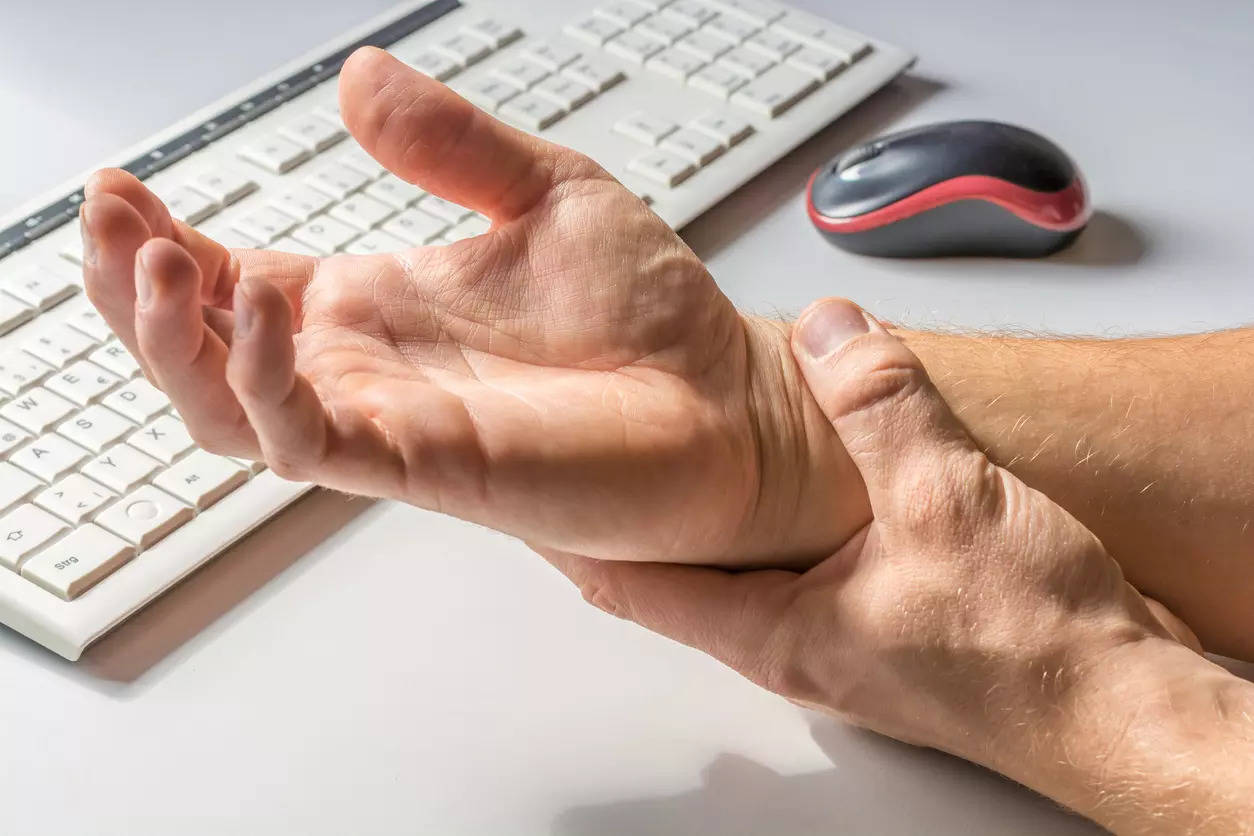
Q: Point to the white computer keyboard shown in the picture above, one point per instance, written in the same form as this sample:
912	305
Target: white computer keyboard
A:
104	500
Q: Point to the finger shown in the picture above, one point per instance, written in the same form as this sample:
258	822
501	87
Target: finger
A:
298	439
732	617
877	395
113	232
427	134
1173	624
186	358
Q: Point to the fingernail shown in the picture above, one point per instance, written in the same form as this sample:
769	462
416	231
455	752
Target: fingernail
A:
830	326
143	285
244	312
89	243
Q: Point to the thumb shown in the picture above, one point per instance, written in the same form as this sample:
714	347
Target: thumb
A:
877	395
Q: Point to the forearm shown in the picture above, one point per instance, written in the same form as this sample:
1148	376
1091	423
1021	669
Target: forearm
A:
1149	442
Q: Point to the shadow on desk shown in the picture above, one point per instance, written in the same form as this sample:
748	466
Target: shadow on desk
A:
895	789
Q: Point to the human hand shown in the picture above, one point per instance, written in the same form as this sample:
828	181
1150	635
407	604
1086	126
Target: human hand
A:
574	376
972	614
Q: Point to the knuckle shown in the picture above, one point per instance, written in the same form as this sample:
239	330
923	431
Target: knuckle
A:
944	496
287	466
885	380
601	592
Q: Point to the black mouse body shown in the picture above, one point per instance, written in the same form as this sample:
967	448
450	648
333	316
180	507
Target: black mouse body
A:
956	188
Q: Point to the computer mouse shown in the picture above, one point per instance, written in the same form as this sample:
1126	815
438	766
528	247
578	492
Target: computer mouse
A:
955	188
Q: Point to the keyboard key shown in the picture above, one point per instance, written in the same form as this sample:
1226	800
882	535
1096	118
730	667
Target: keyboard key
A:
728	130
734	30
230	238
10	437
251	466
717	80
189	205
71	566
645	127
774	92
374	242
595	30
760	12
23	530
661	167
633	46
165	439
301	202
81	314
692	12
337	180
439	66
225	185
202	479
703	45
551	56
415	228
520	74
665	30
15	485
19	371
597	74
493	32
72	250
692	145
394	191
82	382
469	228
139	401
817	62
568	93
624	13
113	357
265	224
531	111
275	154
13	313
774	44
37	410
58	345
325	235
122	468
144	516
39	287
95	428
487	93
464	49
74	498
745	61
361	212
818	33
445	210
49	457
356	157
675	63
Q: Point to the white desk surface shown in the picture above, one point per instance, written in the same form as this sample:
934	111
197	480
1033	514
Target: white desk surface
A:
329	677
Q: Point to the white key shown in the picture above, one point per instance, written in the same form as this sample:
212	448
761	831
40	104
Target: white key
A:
595	30
415	228
633	46
521	74
597	74
10	437
693	146
202	478
361	212
36	410
703	45
144	516
464	49
114	357
81	314
301	202
339	181
165	439
817	62
251	466
275	154
58	345
653	5
19	371
675	63
623	13
645	127
12	313
493	32
356	157
23	530
665	30
394	191
73	250
225	185
729	130
138	401
444	209
661	167
531	111
121	468
74	498
232	239
551	56
39	287
567	92
469	228
82	382
374	242
717	80
287	244
437	65
49	457
818	33
15	485
95	428
188	205
71	566
734	30
745	61
265	224
691	12
487	93
776	91
774	44
760	12
325	235
313	133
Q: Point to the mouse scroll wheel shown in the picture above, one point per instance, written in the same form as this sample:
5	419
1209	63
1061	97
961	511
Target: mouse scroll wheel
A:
857	156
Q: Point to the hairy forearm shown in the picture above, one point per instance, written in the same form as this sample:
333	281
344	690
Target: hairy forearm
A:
1149	442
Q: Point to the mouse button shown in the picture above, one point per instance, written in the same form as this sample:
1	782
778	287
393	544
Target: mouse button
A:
856	157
